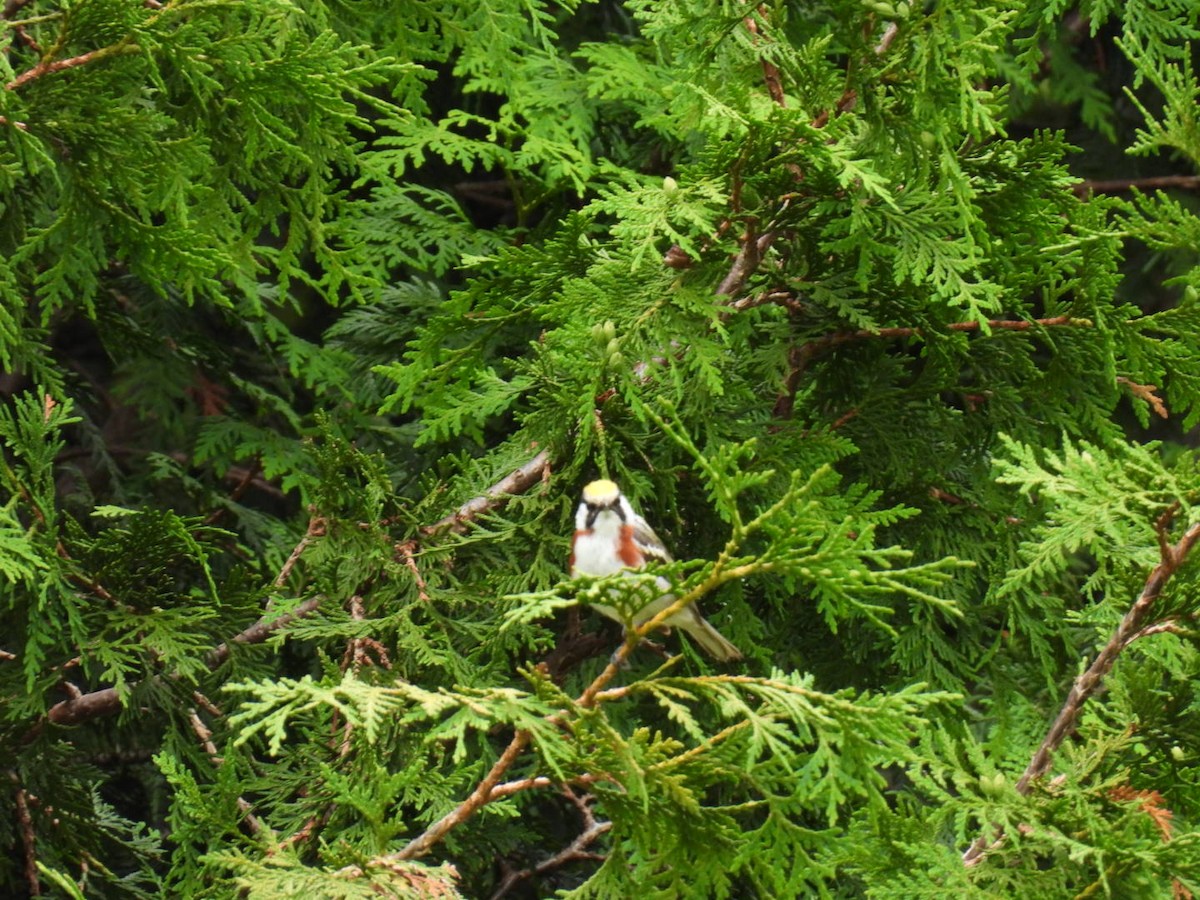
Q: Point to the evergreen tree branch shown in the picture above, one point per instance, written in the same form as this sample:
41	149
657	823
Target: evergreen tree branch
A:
509	788
407	550
478	798
1115	186
576	851
204	736
517	482
770	70
746	261
800	356
46	67
316	528
263	629
1133	625
107	701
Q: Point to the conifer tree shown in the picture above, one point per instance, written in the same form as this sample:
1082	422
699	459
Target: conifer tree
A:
316	317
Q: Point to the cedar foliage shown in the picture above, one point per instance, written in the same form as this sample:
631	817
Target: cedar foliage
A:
315	317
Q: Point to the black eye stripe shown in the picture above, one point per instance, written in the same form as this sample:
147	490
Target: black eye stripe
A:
594	509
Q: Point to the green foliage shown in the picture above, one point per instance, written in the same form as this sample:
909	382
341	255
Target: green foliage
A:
315	317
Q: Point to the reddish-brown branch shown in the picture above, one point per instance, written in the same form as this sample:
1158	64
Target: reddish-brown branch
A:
801	355
770	70
1133	625
517	482
746	261
248	476
479	797
576	851
490	788
45	67
204	736
1183	182
28	840
407	551
12	7
316	528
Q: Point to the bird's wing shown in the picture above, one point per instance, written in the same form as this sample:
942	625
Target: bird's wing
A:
650	543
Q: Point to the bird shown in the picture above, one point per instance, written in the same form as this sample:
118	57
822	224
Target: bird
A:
610	537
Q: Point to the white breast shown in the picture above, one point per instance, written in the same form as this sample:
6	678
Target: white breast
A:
596	552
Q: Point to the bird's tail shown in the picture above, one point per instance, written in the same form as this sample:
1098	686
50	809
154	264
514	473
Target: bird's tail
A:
710	640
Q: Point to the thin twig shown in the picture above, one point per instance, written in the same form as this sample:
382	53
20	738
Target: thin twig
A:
248	476
204	735
770	70
316	528
509	788
1132	626
889	35
1146	393
576	851
407	551
746	261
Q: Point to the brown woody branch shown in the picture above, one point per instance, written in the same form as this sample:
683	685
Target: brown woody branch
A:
46	67
28	838
770	70
1183	182
316	528
576	851
12	7
517	482
479	797
204	736
802	354
1135	624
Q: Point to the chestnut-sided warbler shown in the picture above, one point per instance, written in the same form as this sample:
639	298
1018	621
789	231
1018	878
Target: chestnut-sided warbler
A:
609	537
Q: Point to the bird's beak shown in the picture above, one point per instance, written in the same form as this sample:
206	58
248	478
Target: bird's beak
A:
594	509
